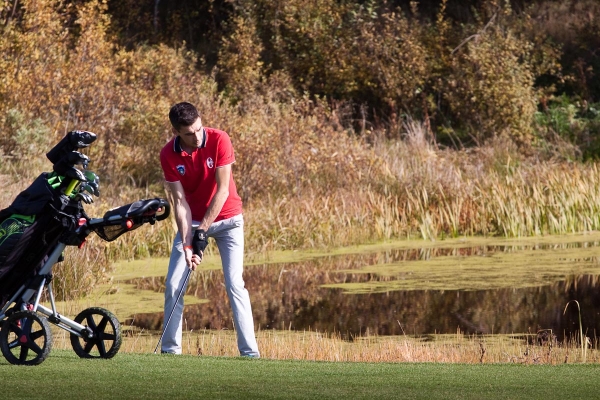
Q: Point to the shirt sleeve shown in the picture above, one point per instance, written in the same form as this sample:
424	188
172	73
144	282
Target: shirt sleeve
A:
225	155
169	171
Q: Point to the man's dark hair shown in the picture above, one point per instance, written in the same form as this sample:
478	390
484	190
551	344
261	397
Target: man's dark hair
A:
183	114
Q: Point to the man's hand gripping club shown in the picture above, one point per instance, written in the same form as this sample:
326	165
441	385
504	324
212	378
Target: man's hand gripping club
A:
199	243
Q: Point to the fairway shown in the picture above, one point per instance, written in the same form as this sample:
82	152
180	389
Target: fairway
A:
149	376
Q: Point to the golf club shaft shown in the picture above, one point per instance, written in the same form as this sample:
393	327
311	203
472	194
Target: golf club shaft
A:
185	281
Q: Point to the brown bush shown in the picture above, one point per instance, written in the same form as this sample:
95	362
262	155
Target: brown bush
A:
239	62
490	88
389	59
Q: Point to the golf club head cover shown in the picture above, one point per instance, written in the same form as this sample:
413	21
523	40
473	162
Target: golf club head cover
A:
76	157
72	141
65	165
200	241
81	139
73	173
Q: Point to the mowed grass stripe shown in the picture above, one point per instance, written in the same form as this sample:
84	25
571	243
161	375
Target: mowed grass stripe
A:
150	376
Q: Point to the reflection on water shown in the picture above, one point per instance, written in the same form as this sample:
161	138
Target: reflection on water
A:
291	296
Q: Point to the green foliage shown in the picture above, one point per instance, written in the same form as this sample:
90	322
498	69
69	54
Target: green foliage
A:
574	122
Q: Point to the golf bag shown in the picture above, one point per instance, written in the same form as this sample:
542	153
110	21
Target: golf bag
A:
29	228
34	223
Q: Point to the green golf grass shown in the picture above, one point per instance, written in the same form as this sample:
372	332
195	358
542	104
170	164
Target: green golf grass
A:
150	376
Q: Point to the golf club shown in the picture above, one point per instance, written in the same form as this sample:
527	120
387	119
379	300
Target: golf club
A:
185	281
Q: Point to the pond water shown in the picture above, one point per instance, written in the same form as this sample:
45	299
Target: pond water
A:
482	289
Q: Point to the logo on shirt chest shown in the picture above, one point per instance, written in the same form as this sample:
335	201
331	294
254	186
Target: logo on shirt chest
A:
181	169
210	163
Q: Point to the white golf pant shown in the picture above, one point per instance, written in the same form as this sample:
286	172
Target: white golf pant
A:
229	236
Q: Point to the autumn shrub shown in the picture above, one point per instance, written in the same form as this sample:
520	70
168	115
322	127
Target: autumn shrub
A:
240	64
490	87
78	79
28	139
573	24
353	53
570	24
471	81
288	143
124	96
310	41
379	61
390	62
153	79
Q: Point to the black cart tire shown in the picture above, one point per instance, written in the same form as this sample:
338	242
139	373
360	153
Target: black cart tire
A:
25	338
105	340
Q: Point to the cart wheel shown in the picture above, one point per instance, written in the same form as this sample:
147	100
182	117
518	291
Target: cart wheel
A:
105	340
25	338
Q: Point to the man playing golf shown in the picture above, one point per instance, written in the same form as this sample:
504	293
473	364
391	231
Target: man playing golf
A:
197	167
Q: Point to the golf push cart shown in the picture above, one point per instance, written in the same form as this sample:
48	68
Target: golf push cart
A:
34	231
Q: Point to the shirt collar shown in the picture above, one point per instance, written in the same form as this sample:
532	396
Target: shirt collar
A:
177	145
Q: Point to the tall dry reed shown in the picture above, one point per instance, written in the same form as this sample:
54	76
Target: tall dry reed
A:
316	346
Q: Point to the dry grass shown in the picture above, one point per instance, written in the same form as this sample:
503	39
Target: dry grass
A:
435	194
315	346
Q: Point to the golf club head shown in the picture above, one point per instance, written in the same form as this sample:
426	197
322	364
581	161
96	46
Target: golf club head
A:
91	188
92	177
86	198
93	183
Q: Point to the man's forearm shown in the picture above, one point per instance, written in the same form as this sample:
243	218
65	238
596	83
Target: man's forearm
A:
183	218
214	208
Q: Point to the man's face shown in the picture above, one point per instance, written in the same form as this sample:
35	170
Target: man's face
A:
191	136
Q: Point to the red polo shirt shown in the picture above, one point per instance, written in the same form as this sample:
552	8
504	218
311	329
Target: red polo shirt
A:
196	172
